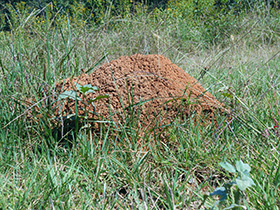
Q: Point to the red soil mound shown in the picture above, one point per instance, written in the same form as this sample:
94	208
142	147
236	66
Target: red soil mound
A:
139	78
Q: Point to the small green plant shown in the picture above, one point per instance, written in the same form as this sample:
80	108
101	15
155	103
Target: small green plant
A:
75	121
236	189
85	89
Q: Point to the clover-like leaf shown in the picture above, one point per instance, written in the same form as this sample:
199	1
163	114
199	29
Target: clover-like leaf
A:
244	182
242	167
228	167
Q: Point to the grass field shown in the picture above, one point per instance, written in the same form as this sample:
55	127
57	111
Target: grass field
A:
109	169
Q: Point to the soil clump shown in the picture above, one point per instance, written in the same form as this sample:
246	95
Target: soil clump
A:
148	85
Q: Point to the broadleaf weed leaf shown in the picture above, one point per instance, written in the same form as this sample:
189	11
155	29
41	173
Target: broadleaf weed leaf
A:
78	86
220	191
244	182
69	94
98	98
86	88
228	167
242	167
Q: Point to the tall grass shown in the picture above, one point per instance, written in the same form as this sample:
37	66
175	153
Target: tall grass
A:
116	168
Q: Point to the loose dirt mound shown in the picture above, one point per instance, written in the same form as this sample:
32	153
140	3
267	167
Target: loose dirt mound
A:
151	84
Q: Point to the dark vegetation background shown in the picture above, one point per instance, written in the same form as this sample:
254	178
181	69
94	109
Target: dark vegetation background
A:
94	10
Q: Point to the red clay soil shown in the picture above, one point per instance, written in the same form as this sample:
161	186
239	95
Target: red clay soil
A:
150	80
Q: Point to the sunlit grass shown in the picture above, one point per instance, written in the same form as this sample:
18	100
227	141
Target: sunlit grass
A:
115	167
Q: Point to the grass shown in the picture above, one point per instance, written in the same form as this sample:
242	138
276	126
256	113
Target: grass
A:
116	168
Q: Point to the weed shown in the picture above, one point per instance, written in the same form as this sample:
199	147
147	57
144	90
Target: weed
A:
236	189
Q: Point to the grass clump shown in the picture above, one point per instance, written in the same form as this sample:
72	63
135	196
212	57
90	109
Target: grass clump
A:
115	167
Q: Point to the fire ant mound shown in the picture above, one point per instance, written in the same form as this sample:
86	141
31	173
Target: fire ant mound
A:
149	86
